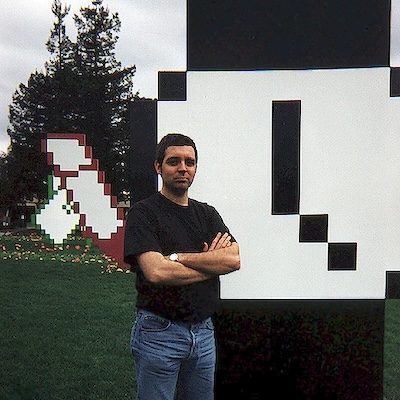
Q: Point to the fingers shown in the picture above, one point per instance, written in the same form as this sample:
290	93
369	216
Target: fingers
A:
220	241
215	242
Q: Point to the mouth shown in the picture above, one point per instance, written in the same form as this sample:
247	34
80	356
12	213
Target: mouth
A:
181	180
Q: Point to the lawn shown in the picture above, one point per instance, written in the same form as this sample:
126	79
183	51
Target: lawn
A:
65	332
66	315
391	379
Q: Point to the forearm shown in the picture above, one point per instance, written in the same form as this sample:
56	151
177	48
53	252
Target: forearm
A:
217	262
161	271
179	274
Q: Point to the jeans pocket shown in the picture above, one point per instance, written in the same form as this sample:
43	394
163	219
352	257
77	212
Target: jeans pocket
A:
153	323
208	324
133	334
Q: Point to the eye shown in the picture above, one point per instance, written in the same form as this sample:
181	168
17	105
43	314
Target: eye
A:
190	162
173	161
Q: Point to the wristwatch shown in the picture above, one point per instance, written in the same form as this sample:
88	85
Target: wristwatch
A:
174	257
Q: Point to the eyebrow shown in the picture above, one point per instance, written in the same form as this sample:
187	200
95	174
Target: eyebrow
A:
174	158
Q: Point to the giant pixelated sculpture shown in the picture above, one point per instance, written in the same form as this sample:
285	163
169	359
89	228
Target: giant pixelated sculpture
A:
295	111
294	107
79	197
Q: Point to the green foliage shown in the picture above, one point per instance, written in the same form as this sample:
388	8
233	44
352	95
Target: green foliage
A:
59	44
5	181
104	80
31	245
84	89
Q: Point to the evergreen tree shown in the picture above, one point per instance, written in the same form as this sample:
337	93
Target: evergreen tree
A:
64	112
4	182
29	119
59	45
104	97
84	89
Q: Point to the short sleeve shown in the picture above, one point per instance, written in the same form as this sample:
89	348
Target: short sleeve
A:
219	224
140	234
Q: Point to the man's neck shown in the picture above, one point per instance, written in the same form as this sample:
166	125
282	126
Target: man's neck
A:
180	199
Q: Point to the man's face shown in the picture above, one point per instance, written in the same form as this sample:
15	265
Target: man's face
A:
177	169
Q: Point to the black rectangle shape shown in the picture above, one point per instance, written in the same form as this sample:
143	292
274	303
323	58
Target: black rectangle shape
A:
394	82
392	285
301	349
342	256
143	142
172	85
313	228
286	157
291	34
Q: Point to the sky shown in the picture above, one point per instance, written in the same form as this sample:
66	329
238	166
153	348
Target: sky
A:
152	37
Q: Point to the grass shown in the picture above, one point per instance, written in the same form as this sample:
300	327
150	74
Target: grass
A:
65	322
31	245
65	332
391	376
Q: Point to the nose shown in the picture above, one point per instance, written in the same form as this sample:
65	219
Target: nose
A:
182	166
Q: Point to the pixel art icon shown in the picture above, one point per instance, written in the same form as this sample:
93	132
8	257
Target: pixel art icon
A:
294	107
295	112
80	197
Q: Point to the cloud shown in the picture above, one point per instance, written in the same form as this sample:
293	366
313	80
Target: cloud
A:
152	37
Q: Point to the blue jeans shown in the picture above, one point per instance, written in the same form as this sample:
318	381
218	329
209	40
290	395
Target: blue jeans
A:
174	360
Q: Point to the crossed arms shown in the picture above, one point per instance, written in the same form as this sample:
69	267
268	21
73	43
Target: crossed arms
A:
219	258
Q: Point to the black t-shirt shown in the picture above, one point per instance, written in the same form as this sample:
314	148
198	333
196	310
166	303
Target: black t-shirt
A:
158	224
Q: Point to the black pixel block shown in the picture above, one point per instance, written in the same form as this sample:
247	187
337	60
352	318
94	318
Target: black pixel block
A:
313	228
392	285
172	86
342	256
251	35
394	82
286	117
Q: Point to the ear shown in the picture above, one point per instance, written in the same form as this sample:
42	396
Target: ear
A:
157	167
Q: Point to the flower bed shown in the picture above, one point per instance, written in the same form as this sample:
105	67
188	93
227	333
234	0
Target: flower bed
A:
32	245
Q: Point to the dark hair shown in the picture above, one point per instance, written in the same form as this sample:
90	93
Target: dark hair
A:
173	139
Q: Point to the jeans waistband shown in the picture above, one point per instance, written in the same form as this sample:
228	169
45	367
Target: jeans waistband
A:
186	324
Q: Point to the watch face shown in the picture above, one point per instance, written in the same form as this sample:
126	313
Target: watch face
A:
173	257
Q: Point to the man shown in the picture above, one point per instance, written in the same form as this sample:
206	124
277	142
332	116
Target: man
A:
178	247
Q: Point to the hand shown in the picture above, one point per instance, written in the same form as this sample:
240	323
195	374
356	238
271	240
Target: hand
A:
220	241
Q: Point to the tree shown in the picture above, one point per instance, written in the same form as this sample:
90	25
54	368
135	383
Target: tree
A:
4	181
84	89
59	45
29	117
64	112
106	92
